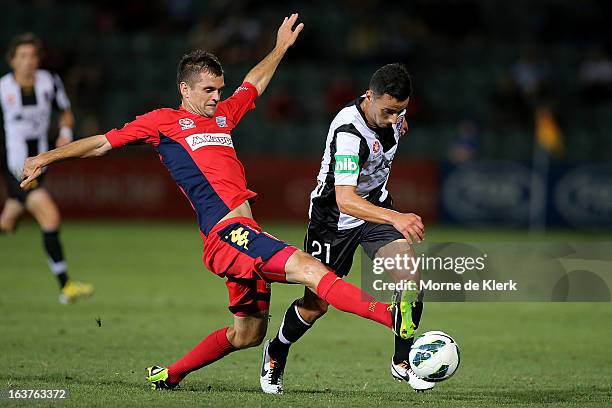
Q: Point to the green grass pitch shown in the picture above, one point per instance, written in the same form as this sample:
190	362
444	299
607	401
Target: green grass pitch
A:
155	301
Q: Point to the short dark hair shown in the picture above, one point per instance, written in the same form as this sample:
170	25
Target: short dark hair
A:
195	62
23	39
393	80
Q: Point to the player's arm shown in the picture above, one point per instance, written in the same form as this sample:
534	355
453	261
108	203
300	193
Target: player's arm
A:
262	73
66	118
349	202
66	124
89	147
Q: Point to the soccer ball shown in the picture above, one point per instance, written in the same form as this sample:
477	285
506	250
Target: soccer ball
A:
434	356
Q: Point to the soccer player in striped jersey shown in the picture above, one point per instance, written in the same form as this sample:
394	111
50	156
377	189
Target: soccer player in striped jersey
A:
28	96
351	206
195	144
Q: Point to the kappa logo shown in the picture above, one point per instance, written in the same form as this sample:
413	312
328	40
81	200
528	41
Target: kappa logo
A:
221	121
239	237
209	139
347	164
186	123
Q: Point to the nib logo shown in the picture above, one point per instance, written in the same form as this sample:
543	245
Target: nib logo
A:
347	164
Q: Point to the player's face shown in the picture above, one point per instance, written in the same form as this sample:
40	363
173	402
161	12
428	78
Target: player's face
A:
205	95
383	110
25	61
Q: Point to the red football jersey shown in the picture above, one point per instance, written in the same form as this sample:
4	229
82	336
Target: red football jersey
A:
198	152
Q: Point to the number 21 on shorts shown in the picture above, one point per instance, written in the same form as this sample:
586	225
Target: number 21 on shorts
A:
318	249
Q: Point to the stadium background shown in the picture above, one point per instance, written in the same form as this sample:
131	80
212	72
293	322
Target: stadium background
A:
510	131
481	71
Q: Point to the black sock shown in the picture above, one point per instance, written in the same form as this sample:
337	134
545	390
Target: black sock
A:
402	346
55	256
402	349
292	328
62	278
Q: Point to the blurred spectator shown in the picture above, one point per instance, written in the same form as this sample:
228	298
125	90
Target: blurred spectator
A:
460	51
507	103
84	80
596	77
363	39
466	146
181	13
281	105
520	90
237	39
529	75
202	36
340	92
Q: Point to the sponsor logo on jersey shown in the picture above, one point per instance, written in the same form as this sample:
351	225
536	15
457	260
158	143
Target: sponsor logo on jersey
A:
209	139
221	121
346	164
376	146
186	123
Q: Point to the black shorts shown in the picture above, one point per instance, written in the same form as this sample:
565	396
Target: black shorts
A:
14	191
336	248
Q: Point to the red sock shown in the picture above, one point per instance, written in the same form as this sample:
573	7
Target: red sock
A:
349	298
214	347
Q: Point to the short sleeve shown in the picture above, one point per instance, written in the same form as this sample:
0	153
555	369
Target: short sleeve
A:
346	159
142	129
242	101
61	97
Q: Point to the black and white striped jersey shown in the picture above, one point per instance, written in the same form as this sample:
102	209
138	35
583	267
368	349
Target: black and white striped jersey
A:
355	155
25	117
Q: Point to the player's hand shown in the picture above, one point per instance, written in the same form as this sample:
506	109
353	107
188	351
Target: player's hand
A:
62	141
410	226
32	168
287	35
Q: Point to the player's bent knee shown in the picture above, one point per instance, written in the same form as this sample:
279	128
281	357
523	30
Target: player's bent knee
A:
312	314
43	208
248	331
312	308
323	306
7	225
244	339
50	221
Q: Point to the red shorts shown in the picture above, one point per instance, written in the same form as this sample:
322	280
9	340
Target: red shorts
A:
250	259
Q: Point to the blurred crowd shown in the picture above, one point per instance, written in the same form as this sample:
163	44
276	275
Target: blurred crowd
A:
480	67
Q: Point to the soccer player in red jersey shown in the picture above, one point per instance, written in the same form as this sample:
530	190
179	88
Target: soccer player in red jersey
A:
194	143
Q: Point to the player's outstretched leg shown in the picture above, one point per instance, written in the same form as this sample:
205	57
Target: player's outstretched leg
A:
40	204
298	318
400	366
411	310
305	269
247	331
